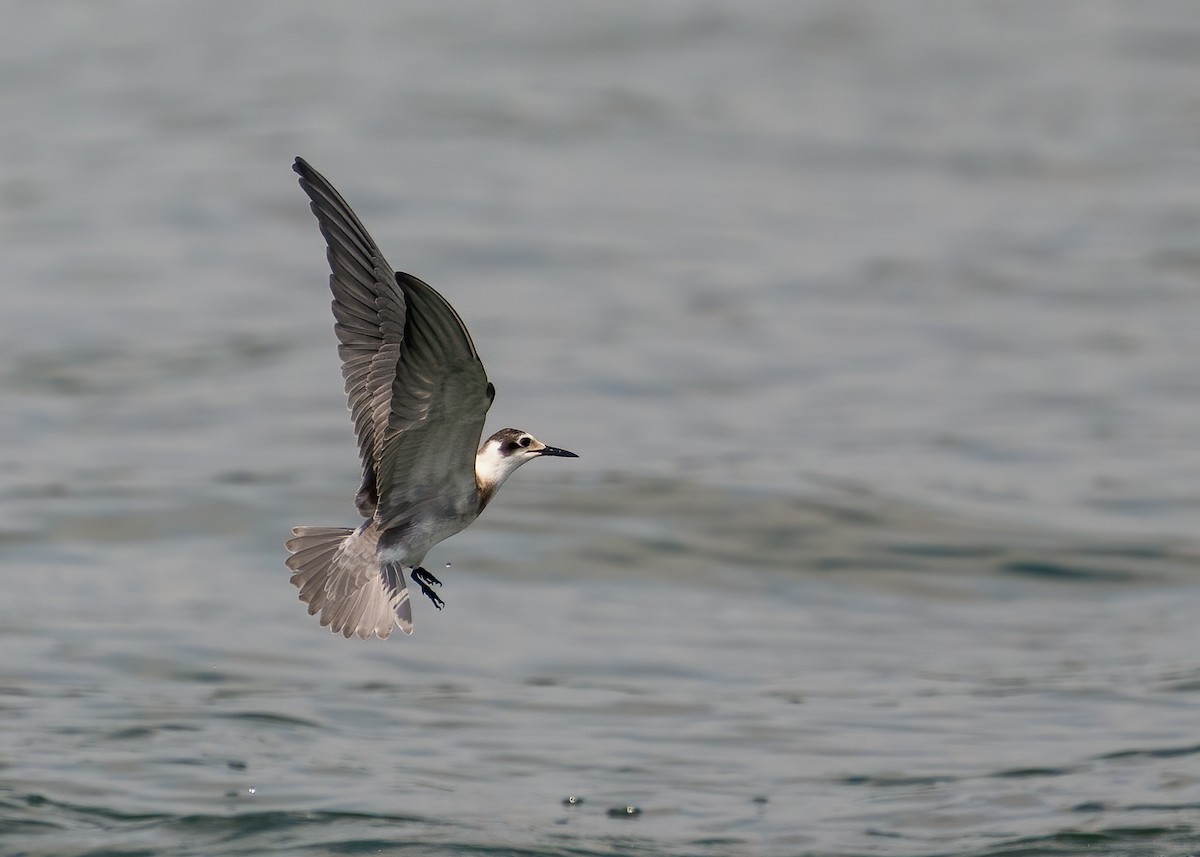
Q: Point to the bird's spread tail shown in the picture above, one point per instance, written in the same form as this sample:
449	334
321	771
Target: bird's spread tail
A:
339	575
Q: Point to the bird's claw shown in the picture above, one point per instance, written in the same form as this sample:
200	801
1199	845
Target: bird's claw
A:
423	578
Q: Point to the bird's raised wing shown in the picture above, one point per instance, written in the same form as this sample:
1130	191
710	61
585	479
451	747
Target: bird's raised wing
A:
417	391
369	314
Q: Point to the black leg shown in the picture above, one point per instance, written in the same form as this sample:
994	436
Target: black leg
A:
423	578
420	575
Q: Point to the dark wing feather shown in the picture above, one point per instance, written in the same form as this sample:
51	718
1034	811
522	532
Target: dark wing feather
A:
440	397
369	314
417	391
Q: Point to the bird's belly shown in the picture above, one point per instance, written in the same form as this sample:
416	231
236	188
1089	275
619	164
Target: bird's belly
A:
408	545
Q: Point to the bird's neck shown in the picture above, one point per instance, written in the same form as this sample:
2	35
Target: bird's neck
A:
491	469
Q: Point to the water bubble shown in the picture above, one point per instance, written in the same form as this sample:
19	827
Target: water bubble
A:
624	812
572	800
447	565
251	790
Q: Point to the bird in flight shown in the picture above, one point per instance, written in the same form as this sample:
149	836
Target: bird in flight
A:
418	395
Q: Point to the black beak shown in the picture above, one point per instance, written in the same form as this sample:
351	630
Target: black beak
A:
554	450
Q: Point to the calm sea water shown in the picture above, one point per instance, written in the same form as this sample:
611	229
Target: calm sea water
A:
876	328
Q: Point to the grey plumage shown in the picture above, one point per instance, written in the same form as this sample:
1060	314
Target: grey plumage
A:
418	396
331	573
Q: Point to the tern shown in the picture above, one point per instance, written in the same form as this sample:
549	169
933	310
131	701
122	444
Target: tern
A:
418	394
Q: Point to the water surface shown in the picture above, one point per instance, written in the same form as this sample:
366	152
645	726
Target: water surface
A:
875	327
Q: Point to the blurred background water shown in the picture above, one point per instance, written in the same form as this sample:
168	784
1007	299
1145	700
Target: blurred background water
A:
876	328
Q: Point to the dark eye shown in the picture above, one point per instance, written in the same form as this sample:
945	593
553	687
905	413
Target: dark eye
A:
525	441
508	446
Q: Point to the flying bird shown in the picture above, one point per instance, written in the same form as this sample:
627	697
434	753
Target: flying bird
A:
418	395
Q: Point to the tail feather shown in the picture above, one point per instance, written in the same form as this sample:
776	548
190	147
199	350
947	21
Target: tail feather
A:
338	573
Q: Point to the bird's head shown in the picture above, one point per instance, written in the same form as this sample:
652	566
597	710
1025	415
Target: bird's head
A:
505	451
